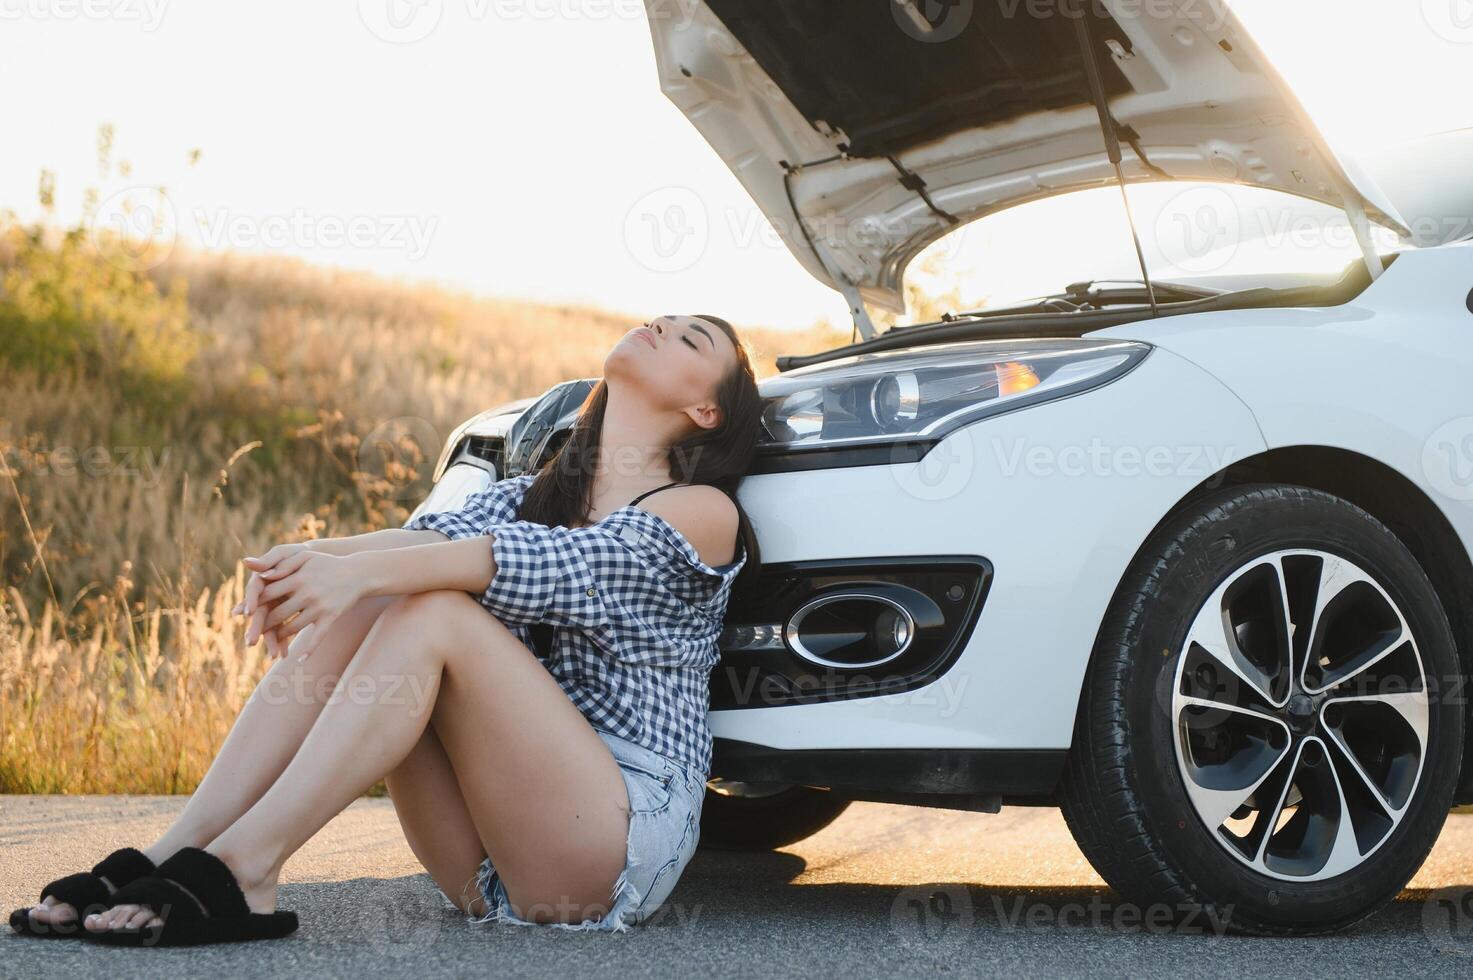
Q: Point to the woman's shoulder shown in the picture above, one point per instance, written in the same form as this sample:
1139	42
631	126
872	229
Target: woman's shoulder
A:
704	515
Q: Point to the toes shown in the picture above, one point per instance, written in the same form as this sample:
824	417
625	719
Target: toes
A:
109	918
123	918
139	919
52	912
122	915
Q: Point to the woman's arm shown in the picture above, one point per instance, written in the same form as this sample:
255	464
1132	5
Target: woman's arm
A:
467	564
389	537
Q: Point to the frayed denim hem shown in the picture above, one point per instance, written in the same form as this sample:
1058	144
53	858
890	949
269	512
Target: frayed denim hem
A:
623	905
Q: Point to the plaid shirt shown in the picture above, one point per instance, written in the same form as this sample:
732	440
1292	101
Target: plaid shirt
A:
636	612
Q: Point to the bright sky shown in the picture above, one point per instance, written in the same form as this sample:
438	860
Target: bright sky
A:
512	149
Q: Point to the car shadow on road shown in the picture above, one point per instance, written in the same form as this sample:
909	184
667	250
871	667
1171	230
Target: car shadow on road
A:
718	885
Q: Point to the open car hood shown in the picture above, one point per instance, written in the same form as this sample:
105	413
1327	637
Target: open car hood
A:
887	123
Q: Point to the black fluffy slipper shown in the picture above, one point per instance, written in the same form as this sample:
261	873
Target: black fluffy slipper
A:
86	892
199	900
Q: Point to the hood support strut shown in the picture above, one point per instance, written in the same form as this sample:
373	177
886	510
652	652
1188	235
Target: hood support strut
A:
1108	126
862	322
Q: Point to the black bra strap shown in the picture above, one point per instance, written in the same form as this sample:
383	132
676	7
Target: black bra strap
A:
656	490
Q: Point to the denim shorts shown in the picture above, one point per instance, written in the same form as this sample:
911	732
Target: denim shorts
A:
665	801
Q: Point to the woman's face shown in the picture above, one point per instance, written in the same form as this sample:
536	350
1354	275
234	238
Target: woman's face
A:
677	361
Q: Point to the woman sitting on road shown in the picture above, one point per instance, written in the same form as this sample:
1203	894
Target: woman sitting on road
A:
404	655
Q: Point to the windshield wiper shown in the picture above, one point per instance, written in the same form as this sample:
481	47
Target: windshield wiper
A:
1093	290
1094	294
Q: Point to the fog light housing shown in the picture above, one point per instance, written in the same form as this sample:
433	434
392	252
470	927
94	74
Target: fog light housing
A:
853	629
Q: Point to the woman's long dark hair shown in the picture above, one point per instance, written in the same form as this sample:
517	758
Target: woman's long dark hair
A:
562	493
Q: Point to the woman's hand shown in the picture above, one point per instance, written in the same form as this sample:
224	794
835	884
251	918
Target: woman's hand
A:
252	605
309	589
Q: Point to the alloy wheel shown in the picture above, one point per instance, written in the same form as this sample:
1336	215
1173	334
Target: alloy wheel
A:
1300	709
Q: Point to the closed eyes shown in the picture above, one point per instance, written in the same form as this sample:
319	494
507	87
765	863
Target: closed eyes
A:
686	337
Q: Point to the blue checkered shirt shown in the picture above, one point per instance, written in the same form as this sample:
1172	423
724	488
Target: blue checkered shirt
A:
636	612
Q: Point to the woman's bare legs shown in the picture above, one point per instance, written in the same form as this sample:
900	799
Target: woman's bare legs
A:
265	736
436	821
558	840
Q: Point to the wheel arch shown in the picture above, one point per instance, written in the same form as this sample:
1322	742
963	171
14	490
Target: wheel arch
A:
1392	499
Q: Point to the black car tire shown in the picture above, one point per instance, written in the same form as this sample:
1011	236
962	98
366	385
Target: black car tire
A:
1124	796
768	821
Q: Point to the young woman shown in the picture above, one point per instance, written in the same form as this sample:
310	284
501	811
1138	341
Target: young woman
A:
406	655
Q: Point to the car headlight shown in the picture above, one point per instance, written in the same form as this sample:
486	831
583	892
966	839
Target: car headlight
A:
470	425
917	396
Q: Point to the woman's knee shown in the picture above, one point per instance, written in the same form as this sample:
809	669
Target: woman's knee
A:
318	673
429	605
435	620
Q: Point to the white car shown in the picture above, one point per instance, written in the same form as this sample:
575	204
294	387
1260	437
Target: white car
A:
1190	561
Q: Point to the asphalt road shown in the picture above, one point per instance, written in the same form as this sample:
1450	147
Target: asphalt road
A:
885	891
